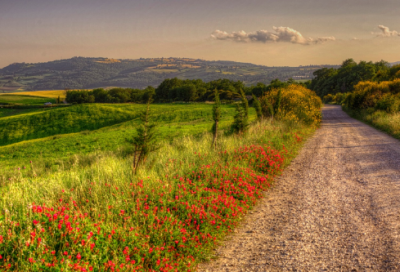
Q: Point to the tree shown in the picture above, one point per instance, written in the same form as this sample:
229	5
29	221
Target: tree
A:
241	124
257	106
278	102
216	117
145	142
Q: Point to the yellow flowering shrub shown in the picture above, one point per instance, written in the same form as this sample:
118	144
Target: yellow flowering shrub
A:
298	104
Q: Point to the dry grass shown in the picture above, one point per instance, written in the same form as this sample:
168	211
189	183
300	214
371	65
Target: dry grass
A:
50	94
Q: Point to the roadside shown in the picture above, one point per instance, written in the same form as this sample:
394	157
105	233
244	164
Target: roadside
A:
335	208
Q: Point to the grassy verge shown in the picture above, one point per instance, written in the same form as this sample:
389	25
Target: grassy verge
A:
168	218
387	122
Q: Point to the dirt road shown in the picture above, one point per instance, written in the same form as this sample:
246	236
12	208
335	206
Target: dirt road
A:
335	208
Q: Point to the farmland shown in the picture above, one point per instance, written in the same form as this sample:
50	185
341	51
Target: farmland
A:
24	99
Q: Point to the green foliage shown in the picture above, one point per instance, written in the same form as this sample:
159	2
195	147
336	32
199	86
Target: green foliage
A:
216	112
241	123
145	141
389	103
332	81
257	106
115	95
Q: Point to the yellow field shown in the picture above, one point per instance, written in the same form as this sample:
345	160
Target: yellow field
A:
50	94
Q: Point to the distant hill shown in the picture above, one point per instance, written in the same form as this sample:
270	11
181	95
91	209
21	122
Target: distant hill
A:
395	63
84	73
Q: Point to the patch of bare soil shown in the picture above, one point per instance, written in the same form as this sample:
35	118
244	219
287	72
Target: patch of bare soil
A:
335	208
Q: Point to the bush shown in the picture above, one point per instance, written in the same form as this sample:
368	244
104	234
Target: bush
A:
389	103
369	94
298	104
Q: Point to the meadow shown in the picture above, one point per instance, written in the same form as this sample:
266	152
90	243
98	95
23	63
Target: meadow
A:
92	128
74	204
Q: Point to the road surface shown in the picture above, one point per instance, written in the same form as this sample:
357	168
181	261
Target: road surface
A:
335	208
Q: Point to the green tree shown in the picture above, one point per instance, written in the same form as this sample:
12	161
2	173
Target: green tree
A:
216	117
146	140
257	106
241	119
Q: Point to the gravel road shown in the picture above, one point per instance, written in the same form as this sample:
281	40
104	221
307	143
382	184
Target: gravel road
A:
335	208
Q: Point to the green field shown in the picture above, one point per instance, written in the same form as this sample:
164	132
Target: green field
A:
73	201
53	136
24	99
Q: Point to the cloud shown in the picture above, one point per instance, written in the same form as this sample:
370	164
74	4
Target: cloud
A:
280	34
385	32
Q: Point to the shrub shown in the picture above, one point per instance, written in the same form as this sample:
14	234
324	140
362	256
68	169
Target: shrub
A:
389	103
297	104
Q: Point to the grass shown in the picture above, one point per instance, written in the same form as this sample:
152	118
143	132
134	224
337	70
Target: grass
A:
77	206
389	123
24	99
5	112
49	147
168	218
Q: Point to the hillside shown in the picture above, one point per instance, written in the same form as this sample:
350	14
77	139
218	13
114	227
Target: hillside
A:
82	73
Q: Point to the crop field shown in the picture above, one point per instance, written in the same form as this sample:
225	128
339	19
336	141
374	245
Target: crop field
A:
49	94
24	99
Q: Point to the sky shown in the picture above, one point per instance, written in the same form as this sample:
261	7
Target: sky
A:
266	32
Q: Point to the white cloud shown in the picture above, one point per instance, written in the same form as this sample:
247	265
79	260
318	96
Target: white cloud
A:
386	32
280	34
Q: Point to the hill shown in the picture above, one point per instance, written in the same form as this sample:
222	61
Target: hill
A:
83	73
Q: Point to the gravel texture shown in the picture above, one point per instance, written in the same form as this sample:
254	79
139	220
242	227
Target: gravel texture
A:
335	208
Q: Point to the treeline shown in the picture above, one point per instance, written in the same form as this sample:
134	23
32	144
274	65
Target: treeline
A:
175	89
344	79
115	95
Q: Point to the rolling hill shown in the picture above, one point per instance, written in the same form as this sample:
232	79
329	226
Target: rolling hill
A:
82	73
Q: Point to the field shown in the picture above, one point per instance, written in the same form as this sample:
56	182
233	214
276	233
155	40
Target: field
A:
168	218
48	94
71	202
24	99
52	136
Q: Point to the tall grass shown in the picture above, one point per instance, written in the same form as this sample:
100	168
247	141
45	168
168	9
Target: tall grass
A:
168	218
